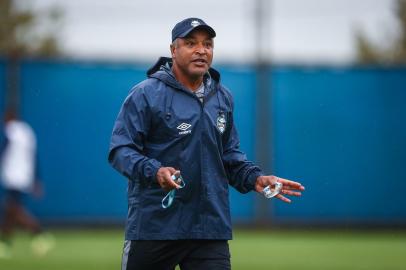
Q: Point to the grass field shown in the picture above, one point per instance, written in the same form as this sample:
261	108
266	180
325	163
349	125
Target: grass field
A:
253	250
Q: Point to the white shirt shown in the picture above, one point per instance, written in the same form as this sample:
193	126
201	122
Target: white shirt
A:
200	92
18	159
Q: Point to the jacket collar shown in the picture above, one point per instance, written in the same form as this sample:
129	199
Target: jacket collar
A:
162	71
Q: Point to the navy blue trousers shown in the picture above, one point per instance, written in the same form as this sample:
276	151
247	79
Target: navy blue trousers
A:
167	254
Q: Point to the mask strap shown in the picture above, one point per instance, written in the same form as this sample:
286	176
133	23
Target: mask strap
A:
168	199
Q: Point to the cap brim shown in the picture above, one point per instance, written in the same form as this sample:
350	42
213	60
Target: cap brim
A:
207	28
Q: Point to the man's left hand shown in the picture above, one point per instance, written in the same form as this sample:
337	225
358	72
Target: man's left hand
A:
289	187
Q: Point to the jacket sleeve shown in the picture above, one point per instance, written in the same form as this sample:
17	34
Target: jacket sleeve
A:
127	140
242	173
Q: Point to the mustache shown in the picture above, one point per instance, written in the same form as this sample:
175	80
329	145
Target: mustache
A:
198	59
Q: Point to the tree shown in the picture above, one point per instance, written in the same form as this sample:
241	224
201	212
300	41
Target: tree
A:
20	37
19	33
393	53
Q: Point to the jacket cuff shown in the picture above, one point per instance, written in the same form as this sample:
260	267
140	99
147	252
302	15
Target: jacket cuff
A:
150	170
252	179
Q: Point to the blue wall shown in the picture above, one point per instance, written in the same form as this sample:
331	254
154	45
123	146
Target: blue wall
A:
341	132
2	85
72	106
2	103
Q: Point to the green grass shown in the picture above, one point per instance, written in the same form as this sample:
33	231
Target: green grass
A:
319	250
253	250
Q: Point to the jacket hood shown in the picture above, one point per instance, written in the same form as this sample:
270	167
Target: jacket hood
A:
166	62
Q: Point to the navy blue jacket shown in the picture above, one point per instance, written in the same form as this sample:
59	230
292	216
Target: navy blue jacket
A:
163	124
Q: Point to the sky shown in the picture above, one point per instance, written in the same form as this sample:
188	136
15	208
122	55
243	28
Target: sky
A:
295	31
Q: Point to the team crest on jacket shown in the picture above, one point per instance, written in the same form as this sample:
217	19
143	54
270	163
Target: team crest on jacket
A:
221	122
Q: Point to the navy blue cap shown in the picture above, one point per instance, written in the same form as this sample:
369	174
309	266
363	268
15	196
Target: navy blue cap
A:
183	28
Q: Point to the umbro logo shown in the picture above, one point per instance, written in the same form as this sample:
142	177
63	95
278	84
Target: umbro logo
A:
185	128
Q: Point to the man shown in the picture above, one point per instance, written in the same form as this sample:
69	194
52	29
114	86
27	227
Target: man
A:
19	176
180	122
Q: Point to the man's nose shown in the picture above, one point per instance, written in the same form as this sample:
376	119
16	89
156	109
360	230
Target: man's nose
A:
201	49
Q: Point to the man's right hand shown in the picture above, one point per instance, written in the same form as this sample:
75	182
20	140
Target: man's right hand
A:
164	178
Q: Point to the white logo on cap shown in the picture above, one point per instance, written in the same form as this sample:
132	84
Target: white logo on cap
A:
195	23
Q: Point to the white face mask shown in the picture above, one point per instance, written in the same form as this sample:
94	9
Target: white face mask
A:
270	193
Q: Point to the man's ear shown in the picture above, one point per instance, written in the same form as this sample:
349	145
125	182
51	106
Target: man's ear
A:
172	48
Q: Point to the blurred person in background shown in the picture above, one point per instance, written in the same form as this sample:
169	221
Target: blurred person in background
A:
175	140
19	177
